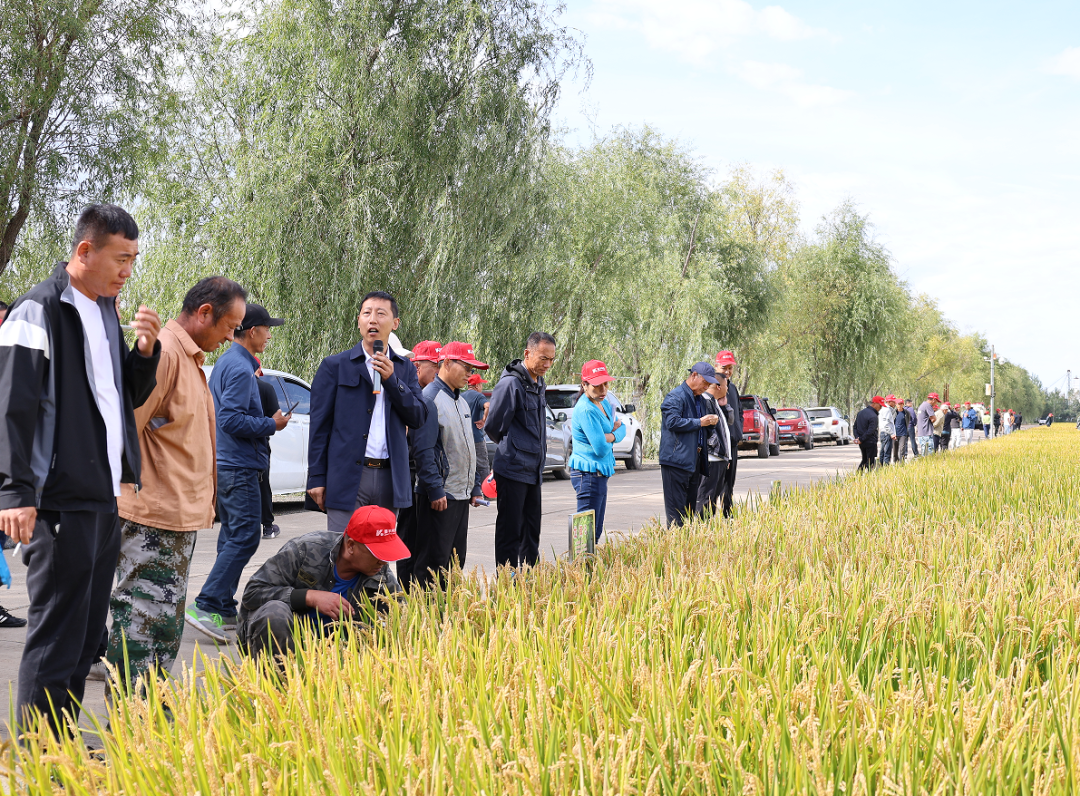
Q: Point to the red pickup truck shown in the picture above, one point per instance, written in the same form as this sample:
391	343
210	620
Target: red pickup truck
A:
761	432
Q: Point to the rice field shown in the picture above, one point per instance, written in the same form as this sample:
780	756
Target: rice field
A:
914	630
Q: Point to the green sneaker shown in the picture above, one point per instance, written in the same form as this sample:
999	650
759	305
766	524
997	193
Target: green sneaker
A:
211	624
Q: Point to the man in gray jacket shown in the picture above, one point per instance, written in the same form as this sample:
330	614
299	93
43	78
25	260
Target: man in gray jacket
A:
442	507
321	577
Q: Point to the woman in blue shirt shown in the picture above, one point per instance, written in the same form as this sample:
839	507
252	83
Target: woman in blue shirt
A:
594	430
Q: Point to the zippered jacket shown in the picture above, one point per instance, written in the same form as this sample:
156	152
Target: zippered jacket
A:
53	444
517	422
452	448
242	427
681	435
866	425
303	564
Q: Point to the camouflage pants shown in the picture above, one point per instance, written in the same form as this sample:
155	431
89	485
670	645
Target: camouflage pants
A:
149	598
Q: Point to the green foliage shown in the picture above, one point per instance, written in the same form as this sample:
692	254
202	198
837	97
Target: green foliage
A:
77	77
338	148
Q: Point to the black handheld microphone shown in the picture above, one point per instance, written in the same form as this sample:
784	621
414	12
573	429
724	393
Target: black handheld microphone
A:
376	377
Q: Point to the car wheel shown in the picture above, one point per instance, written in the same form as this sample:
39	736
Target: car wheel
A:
809	444
763	450
634	462
774	450
563	473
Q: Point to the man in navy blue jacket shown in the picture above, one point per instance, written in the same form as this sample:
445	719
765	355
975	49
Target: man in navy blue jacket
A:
358	452
242	459
682	442
517	422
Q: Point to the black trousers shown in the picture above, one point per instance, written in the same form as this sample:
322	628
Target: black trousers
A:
728	494
441	536
711	488
517	526
680	493
70	564
869	450
406	531
267	498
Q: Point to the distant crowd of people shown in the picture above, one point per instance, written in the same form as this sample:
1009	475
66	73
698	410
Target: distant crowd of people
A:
886	428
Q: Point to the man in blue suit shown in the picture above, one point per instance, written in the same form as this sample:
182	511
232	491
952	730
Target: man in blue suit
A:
682	442
361	403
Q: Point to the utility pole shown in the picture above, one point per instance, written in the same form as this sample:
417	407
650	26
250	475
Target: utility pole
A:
993	392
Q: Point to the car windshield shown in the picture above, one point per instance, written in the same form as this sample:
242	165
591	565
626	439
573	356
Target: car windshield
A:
561	399
787	414
818	414
747	402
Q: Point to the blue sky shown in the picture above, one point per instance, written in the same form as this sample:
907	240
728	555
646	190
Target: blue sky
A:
953	125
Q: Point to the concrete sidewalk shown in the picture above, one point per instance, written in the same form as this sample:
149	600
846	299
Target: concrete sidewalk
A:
635	498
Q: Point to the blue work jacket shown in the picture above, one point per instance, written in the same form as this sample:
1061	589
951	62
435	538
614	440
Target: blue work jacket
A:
342	403
517	422
242	427
680	431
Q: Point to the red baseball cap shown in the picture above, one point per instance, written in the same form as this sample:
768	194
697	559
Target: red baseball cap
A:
463	352
933	397
877	399
890	397
427	351
475	379
376	528
725	358
595	372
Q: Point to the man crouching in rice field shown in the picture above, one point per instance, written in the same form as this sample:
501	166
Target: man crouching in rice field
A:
321	577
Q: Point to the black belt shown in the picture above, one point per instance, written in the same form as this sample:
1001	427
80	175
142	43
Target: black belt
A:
378	464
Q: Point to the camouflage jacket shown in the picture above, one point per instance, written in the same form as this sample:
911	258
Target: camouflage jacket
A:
307	563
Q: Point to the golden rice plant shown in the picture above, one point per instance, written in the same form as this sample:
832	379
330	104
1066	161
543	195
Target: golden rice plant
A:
914	630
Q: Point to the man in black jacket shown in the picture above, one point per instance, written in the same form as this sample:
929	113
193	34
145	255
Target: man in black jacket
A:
725	364
517	422
866	432
68	390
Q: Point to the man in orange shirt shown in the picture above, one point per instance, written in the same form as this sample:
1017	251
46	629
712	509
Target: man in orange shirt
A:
176	429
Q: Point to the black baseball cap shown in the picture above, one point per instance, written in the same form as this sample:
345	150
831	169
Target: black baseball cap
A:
258	316
706	371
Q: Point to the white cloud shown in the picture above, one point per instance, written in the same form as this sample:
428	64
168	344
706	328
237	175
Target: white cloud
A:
1067	63
779	24
695	29
787	80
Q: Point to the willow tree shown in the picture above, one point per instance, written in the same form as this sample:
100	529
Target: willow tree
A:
642	271
77	78
850	306
330	148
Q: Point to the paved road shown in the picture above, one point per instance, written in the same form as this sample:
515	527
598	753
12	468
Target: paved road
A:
634	500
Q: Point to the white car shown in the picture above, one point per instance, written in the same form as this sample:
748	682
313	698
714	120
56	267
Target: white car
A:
562	397
829	423
288	447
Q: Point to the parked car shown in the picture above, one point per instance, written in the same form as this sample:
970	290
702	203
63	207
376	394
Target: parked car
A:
829	424
288	447
557	461
795	427
562	397
761	432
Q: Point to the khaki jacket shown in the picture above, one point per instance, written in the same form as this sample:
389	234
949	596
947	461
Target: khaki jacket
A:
177	433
